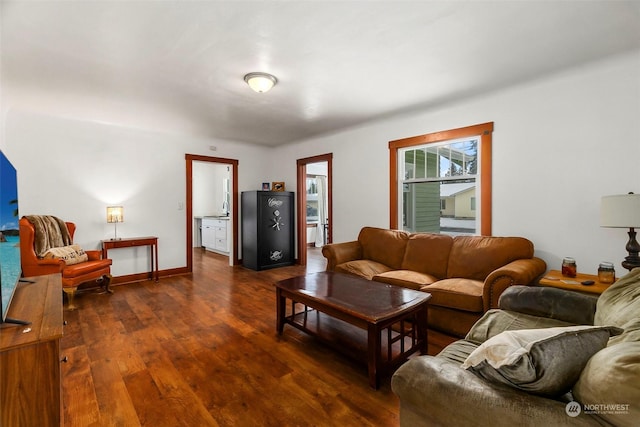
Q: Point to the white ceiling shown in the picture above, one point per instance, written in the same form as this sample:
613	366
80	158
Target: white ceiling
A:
180	64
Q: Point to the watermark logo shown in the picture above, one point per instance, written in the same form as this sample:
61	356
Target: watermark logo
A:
573	409
606	408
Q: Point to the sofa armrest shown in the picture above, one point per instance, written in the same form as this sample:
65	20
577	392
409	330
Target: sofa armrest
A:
94	255
518	272
337	253
427	386
39	266
51	262
560	304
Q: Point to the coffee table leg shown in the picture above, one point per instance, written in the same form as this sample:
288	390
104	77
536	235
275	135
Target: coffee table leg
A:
280	311
374	349
422	329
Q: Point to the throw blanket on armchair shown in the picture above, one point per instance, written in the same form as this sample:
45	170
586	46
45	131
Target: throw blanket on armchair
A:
50	232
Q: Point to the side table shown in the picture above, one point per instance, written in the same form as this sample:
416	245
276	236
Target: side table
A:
555	279
129	242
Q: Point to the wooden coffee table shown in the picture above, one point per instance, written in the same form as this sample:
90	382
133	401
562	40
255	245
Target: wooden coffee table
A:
327	305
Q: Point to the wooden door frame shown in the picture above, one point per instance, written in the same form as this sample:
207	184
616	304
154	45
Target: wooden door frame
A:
190	158
301	201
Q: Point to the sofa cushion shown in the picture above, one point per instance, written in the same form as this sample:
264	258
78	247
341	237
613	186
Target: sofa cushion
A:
83	268
384	246
71	254
428	253
362	267
458	351
544	361
573	307
434	392
405	278
496	321
611	377
461	294
619	306
474	257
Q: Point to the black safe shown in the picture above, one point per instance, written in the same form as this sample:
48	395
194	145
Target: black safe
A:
267	229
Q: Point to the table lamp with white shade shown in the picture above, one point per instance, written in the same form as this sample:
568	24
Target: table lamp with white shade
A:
623	211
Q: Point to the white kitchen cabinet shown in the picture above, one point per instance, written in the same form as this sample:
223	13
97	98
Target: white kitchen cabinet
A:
214	234
208	233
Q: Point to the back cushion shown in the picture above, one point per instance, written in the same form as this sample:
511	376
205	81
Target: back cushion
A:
428	253
384	246
619	306
474	257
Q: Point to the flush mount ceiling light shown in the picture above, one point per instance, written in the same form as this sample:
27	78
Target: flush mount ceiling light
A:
260	82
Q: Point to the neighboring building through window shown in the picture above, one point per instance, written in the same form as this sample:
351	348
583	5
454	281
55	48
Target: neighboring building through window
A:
437	180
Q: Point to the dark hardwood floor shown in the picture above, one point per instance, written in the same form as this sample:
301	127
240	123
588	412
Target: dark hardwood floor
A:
202	350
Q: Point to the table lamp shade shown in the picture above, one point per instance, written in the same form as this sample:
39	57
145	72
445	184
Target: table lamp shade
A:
115	214
620	211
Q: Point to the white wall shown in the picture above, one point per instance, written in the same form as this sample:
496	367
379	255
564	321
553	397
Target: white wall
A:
559	144
208	188
74	169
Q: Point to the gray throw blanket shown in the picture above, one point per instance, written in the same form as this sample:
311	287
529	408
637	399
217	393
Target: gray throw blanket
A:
50	232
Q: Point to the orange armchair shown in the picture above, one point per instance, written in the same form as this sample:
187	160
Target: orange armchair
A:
94	269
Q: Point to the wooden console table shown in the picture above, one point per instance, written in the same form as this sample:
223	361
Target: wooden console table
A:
129	242
30	372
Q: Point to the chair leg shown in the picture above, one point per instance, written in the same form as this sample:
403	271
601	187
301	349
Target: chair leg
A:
105	281
71	293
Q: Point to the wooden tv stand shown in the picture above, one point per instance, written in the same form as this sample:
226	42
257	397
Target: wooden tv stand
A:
30	378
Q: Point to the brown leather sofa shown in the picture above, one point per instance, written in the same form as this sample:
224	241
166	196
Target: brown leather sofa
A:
465	275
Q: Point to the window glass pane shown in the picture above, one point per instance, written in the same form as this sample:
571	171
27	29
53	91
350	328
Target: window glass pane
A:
421	202
312	186
312	200
312	210
420	164
439	207
465	154
409	159
432	162
439	188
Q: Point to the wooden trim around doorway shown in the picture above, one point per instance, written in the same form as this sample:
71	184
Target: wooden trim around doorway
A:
301	201
190	158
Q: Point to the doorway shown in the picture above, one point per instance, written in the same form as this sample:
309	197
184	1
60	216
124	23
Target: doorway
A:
232	205
314	203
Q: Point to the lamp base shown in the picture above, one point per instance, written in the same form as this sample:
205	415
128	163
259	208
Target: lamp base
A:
115	238
633	260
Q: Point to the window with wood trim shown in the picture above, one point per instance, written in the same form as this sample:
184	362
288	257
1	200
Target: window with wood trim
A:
441	182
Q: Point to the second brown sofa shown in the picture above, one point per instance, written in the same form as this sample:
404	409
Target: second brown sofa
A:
464	274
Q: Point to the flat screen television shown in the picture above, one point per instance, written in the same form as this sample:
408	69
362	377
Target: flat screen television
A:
10	267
